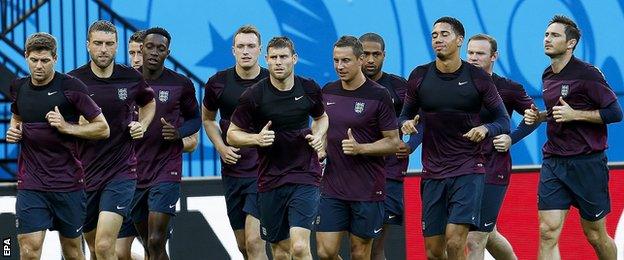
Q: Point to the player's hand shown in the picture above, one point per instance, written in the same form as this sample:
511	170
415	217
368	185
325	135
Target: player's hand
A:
14	134
265	137
136	129
350	146
531	115
409	126
169	132
230	155
563	113
404	150
315	141
55	119
502	143
476	134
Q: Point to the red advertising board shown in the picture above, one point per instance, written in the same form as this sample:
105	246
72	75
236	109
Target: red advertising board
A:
518	219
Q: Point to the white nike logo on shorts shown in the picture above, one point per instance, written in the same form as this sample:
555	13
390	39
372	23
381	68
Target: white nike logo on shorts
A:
172	206
377	230
120	207
489	224
52	93
297	98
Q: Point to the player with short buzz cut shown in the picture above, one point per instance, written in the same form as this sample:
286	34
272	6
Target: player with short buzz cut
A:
580	103
134	49
273	115
451	90
110	165
46	107
483	52
159	152
239	166
374	49
363	128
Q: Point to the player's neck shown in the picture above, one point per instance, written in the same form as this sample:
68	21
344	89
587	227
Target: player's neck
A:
103	73
355	83
250	73
448	65
152	74
43	82
377	76
559	62
283	85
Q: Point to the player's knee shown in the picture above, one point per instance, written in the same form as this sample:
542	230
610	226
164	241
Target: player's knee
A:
594	236
72	251
325	252
360	253
549	232
104	247
29	249
476	242
156	242
253	245
455	243
300	248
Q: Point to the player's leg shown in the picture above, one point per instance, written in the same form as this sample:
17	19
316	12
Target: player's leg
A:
91	220
115	204
162	201
465	197
589	182
554	200
69	217
493	196
434	217
123	248
366	224
274	226
234	201
499	247
332	223
393	216
302	211
256	247
30	245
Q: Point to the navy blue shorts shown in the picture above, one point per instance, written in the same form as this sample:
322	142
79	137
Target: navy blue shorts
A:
162	197
127	229
493	196
241	198
290	205
581	181
394	202
364	219
41	210
454	200
115	197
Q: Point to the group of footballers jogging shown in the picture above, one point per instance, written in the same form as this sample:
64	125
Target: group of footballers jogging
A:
101	146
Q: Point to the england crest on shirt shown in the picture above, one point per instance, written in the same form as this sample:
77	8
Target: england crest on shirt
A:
122	93
565	90
359	107
163	95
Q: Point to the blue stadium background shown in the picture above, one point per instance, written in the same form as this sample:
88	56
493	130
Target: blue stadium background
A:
202	35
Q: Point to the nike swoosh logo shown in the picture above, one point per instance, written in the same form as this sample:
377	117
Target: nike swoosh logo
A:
330	103
489	224
599	213
377	230
297	98
501	176
92	95
544	90
172	206
78	230
52	93
391	216
463	83
118	207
